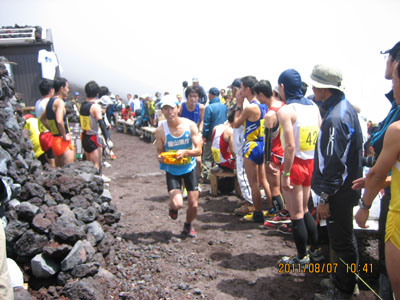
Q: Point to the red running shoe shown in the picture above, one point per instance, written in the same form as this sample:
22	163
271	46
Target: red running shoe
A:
188	230
173	214
268	224
285	228
280	220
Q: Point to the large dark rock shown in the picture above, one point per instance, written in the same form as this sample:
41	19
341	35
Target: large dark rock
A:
105	245
30	244
85	270
66	229
79	201
56	251
69	186
26	211
84	289
21	294
5	158
41	224
15	229
85	215
31	190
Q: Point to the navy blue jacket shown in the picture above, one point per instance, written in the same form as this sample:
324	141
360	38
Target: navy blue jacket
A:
215	114
338	153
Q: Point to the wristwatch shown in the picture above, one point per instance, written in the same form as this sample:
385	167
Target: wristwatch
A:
323	198
363	205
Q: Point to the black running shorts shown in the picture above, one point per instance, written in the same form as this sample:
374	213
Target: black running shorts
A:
89	142
191	181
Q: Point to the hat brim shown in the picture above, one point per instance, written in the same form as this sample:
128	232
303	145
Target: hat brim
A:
311	82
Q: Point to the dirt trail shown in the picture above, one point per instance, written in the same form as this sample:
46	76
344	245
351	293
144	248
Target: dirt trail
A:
228	259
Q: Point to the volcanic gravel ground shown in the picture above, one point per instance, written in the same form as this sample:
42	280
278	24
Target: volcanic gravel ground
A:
228	259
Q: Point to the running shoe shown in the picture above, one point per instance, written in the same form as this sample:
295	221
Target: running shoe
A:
280	220
285	228
244	209
256	217
113	157
188	230
268	224
295	260
173	214
316	255
106	179
270	213
199	188
184	193
283	213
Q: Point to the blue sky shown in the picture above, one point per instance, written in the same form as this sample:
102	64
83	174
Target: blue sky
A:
148	46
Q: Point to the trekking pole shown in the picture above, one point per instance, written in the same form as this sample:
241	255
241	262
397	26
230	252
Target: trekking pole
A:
362	280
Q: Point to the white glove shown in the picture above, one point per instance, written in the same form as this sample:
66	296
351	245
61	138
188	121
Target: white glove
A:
110	144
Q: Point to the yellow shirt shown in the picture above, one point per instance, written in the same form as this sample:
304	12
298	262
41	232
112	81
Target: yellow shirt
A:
32	124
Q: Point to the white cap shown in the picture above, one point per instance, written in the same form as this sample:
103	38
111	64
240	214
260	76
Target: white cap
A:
169	100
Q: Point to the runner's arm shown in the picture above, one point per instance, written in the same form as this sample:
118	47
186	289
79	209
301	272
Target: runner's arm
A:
160	142
202	109
43	119
59	112
240	117
285	119
376	177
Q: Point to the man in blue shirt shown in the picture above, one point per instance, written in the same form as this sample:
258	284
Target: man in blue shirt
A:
214	115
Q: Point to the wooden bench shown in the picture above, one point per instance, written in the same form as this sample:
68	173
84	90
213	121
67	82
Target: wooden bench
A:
125	125
214	176
148	133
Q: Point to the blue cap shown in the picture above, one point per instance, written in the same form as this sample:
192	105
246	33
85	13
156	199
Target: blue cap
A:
236	83
214	91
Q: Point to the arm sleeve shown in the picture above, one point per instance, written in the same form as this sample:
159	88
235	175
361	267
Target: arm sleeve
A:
104	130
268	144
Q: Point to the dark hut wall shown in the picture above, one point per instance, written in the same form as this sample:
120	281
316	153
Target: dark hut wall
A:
27	72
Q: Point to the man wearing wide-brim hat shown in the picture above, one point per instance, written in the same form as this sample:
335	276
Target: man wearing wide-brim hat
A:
337	162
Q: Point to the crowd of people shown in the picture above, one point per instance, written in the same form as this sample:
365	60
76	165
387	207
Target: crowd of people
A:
283	146
294	148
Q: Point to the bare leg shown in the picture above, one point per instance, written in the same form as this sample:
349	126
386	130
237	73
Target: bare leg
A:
264	183
273	177
191	211
175	199
67	157
252	175
95	157
294	202
51	161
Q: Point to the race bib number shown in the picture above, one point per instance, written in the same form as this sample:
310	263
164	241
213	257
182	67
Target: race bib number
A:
53	127
85	122
308	137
